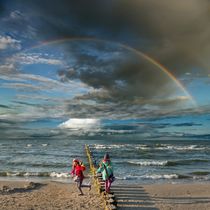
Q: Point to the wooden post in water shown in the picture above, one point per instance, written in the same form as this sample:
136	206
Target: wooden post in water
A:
109	199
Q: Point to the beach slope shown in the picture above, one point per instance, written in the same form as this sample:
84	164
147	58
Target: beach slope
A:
46	195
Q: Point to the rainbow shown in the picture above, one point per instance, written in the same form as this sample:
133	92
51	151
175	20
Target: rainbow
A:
137	52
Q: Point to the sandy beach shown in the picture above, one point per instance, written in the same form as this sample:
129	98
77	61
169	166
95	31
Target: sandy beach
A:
46	195
180	196
56	195
163	197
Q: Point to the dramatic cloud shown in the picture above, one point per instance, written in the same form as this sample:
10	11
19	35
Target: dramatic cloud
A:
118	73
18	23
8	42
34	58
31	82
75	123
29	112
111	67
7	69
176	32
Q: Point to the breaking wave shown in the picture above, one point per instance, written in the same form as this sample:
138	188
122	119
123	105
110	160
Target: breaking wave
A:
148	163
35	174
165	163
156	177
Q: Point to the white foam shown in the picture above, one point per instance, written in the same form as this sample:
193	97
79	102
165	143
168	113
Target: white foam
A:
143	147
150	176
172	147
29	145
31	174
161	176
148	163
113	146
60	175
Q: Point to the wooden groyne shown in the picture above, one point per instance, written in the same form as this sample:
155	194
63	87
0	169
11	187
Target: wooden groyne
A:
109	199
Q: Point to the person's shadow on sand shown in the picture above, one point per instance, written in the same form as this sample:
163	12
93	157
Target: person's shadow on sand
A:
132	198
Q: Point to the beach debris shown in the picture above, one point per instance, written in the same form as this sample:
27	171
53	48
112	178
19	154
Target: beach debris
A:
5	188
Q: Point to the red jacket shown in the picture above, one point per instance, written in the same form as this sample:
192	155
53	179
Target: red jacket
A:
78	171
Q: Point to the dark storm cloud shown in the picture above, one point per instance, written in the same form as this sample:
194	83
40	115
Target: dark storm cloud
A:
104	107
120	74
174	32
1	7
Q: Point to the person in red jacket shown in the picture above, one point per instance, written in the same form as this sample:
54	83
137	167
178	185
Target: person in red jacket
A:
77	171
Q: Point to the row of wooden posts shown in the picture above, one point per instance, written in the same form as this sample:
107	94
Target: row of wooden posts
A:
109	199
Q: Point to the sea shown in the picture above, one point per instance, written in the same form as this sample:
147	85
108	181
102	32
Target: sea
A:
48	156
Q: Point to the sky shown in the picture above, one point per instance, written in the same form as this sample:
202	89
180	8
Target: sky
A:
137	66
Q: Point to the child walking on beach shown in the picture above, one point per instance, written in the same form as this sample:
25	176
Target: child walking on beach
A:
107	172
77	170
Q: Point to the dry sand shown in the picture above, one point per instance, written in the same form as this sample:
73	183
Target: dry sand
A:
163	197
55	195
180	196
50	195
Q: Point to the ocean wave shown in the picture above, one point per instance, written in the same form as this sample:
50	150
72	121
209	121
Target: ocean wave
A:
201	178
185	162
60	175
166	176
161	176
129	177
29	145
152	147
143	147
35	174
38	164
155	177
148	163
169	147
181	147
113	146
165	162
200	173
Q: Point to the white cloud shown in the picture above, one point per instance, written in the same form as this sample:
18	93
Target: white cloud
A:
35	58
8	42
47	83
7	69
79	123
24	86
